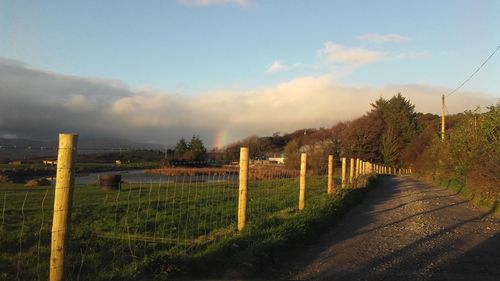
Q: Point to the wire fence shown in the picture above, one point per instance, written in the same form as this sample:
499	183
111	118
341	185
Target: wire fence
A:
118	228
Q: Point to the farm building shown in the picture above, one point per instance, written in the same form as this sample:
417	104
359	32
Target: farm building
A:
278	160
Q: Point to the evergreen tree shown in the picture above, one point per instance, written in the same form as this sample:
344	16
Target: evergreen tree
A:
181	150
197	150
401	126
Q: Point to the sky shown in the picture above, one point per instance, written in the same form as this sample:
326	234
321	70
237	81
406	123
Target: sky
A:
155	71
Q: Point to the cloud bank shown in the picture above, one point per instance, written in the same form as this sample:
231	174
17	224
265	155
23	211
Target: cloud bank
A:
39	104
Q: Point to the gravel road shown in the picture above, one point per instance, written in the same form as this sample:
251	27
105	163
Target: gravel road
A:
404	230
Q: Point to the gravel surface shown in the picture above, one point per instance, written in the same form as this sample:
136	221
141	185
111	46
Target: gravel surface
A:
404	230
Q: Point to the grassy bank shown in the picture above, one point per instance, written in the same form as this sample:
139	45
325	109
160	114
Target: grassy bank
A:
468	193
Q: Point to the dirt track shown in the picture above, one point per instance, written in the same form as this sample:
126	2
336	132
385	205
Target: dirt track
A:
405	230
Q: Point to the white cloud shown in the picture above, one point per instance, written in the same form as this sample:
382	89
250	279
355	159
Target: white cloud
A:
414	55
202	3
383	38
277	66
335	53
36	104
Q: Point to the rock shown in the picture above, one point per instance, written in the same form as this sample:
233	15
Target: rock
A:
38	182
109	182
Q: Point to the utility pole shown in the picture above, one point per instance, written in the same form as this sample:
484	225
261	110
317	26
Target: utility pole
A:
442	118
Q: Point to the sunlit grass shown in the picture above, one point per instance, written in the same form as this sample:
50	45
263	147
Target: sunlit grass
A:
116	234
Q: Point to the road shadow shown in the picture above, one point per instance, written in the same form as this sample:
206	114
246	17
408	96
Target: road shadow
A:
415	261
480	263
353	221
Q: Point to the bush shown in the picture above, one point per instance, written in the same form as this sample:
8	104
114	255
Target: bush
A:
470	155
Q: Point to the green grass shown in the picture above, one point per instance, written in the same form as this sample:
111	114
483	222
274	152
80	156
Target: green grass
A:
151	229
464	191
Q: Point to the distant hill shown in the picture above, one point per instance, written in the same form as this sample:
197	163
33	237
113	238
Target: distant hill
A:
19	149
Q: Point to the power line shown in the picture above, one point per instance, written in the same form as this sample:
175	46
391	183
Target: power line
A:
474	73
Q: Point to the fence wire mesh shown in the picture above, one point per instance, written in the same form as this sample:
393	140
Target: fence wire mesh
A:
147	214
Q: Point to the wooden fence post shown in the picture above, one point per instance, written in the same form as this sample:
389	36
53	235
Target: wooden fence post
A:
63	197
351	173
242	195
330	174
344	181
358	161
302	189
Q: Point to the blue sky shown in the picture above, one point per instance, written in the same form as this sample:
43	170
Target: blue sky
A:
189	48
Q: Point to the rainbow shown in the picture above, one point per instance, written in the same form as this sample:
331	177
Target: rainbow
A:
220	139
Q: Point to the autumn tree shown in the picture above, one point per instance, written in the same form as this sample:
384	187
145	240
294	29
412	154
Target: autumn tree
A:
362	137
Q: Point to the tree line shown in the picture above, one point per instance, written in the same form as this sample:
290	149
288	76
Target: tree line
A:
381	135
192	151
393	133
390	133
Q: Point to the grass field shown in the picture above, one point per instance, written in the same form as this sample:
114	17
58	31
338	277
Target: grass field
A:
118	235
